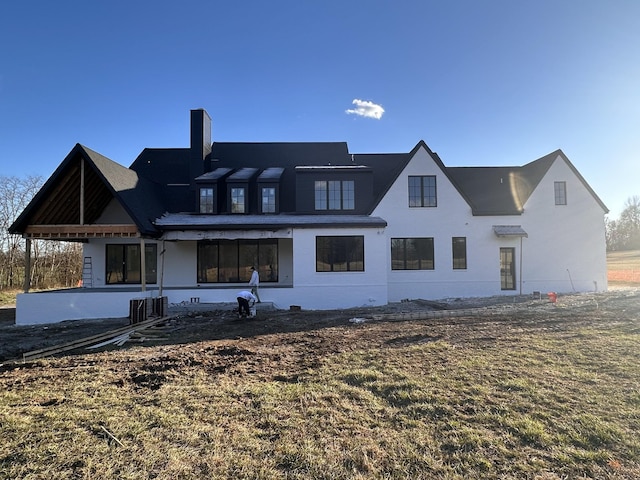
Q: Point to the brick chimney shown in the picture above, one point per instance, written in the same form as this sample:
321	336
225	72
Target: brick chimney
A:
200	143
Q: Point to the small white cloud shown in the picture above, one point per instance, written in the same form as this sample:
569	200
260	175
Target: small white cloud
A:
364	108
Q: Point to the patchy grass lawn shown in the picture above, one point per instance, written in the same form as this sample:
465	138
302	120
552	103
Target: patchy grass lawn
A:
550	395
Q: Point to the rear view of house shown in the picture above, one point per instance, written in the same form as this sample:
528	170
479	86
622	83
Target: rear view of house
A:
325	228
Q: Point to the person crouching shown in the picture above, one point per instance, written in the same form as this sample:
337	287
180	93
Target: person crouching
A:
245	301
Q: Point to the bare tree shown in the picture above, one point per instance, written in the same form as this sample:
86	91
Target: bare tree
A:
624	233
15	195
54	264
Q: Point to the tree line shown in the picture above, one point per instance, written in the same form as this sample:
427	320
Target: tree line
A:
53	264
624	233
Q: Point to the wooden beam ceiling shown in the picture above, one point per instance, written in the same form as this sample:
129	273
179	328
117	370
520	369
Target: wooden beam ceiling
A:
63	204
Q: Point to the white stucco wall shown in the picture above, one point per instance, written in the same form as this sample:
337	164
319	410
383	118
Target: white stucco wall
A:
451	218
564	252
327	290
76	304
566	249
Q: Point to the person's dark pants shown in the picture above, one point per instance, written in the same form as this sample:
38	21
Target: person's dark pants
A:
243	304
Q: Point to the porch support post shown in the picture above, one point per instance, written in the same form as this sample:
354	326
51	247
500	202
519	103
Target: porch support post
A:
143	266
27	265
521	265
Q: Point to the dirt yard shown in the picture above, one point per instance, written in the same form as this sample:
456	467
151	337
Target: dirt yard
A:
337	330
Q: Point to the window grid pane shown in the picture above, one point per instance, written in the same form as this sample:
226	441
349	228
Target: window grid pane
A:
321	195
206	200
237	200
560	189
429	189
507	268
415	192
459	249
268	200
348	195
335	202
423	191
334	195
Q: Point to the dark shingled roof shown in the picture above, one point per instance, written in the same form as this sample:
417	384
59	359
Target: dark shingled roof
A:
158	182
505	190
271	174
492	190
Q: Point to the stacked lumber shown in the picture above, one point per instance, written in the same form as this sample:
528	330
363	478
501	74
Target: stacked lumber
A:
117	337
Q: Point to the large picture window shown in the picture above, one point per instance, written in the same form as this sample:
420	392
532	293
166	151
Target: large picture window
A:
412	254
230	261
334	194
459	250
422	191
340	254
123	263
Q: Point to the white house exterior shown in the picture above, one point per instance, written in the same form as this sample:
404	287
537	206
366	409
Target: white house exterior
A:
563	249
327	229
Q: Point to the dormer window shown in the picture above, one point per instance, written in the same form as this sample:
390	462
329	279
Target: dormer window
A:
268	200
207	199
238	200
269	190
210	192
241	191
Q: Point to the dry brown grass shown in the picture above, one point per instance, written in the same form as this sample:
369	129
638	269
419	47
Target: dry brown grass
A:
543	393
624	267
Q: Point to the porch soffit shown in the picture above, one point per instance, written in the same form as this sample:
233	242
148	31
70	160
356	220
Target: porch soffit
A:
226	234
177	221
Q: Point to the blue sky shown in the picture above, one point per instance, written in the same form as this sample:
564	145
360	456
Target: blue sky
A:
494	82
